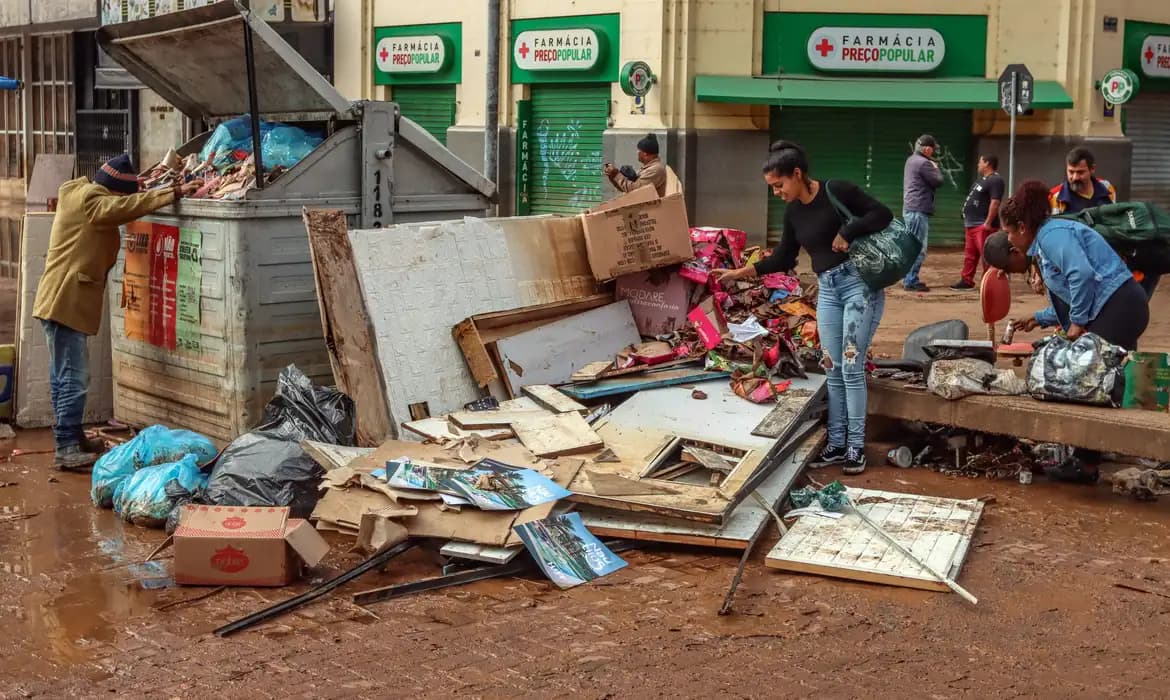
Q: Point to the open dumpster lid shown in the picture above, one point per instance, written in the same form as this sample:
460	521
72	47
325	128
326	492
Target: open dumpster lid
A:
195	60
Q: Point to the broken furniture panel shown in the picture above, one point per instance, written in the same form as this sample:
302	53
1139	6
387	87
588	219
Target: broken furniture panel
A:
441	430
735	533
557	435
549	354
550	398
647	378
639	430
936	530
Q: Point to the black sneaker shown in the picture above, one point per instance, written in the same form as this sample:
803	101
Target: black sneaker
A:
962	286
72	458
920	287
829	456
1072	471
854	461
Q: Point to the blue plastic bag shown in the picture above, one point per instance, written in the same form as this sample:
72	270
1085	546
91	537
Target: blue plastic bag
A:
154	445
286	145
143	499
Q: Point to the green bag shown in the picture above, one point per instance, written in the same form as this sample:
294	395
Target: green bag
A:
881	258
1138	231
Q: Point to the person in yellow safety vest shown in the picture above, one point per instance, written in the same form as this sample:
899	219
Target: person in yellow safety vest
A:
83	246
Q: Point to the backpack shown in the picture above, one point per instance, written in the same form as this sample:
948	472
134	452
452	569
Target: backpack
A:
1138	231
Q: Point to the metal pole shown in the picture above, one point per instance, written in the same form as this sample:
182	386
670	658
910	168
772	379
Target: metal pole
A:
491	140
1012	136
253	101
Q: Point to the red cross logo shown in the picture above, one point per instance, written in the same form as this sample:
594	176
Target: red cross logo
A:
523	51
383	54
824	48
1149	54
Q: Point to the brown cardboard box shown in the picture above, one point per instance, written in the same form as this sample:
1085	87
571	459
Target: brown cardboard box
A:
237	546
633	235
658	299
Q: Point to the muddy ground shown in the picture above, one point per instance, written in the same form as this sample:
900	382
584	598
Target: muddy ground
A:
83	620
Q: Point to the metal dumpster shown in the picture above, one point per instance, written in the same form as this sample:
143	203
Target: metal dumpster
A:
232	298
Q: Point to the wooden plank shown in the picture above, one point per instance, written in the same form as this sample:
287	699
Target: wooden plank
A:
551	353
741	525
605	484
478	420
548	397
440	430
1129	432
557	435
349	335
936	530
592	371
642	382
480	552
786	410
709	459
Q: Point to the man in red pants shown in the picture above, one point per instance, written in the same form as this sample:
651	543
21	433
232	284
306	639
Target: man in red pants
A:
980	217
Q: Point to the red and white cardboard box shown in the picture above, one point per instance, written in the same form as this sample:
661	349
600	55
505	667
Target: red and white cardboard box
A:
241	546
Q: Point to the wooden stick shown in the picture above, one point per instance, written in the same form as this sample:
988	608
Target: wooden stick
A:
966	595
779	522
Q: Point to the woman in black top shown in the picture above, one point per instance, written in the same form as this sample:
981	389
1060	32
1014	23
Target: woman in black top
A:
848	311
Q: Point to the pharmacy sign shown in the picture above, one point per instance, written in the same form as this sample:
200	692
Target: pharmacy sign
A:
876	49
556	49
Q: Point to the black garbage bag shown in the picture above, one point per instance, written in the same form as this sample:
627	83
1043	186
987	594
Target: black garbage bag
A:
267	466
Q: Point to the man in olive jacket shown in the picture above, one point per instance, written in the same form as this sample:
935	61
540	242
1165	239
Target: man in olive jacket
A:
83	246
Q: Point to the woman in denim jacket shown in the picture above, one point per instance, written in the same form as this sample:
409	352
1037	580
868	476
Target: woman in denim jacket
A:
1089	286
848	311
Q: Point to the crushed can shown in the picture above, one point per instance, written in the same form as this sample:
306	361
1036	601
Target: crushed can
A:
901	457
1025	476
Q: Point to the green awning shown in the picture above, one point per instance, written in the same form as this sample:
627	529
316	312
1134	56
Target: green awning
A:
921	93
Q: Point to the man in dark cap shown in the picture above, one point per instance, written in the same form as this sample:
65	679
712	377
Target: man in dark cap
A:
83	246
652	172
920	178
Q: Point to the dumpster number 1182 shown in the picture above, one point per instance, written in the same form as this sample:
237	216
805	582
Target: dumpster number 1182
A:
377	223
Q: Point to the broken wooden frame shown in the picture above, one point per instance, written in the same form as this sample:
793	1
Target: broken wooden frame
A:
638	432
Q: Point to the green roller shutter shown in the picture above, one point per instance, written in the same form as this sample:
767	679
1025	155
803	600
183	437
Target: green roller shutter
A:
430	106
870	147
568	122
892	136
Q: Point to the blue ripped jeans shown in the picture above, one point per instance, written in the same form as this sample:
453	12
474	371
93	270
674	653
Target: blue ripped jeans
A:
848	313
68	381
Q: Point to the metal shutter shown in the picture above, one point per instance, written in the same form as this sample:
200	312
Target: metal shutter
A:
568	122
430	106
1147	124
892	133
870	147
835	141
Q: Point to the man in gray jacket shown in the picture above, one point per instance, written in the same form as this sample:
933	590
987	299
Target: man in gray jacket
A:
920	178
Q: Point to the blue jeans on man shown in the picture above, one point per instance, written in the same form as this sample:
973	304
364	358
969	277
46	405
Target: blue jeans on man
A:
918	224
848	314
68	382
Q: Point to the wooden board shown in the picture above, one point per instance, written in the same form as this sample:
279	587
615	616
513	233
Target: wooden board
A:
785	411
332	457
476	333
741	525
349	335
937	530
548	397
639	429
641	382
592	371
709	459
1128	432
605	484
480	552
551	353
440	430
556	435
479	420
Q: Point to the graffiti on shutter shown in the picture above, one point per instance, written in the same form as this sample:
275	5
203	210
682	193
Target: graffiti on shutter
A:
560	149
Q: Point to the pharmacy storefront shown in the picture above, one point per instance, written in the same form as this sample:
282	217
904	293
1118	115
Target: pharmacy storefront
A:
857	91
422	65
1147	116
569	65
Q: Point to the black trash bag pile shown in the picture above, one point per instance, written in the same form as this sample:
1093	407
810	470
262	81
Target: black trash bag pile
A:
267	466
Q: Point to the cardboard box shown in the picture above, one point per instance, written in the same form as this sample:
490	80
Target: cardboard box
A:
1147	381
659	300
630	234
237	546
707	319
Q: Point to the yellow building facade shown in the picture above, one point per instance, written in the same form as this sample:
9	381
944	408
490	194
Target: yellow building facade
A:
855	82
